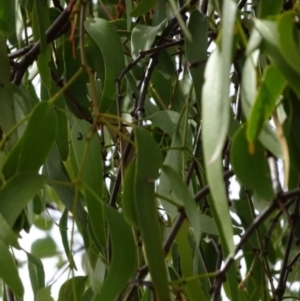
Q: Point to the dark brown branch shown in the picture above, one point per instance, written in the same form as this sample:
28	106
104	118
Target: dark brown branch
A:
276	203
51	34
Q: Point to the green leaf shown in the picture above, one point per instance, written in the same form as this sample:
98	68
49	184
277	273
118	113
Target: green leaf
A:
267	97
142	38
36	273
7	109
269	32
62	140
44	294
148	162
172	124
168	121
249	84
183	195
7	235
107	39
142	8
196	50
40	24
63	229
208	225
7	18
44	247
286	38
128	196
55	170
269	7
123	262
9	271
87	150
41	129
290	126
215	116
193	287
160	90
251	169
72	289
17	192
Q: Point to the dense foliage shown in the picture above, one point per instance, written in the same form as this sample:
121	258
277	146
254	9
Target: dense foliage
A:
129	122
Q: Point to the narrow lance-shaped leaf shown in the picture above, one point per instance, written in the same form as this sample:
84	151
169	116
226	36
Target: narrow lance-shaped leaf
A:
128	196
148	162
41	130
212	107
271	88
171	123
36	273
88	155
268	30
183	194
196	50
107	39
55	170
9	271
248	95
123	262
193	287
286	39
41	22
7	235
63	229
17	192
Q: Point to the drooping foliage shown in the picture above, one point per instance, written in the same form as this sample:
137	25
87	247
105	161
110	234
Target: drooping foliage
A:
166	133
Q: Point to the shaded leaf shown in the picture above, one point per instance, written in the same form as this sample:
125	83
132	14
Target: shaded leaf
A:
123	262
196	50
142	8
107	39
251	169
269	32
269	7
40	23
72	289
7	17
193	287
148	161
128	195
41	129
7	235
36	273
87	150
55	170
9	272
17	192
182	193
286	40
271	88
63	229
